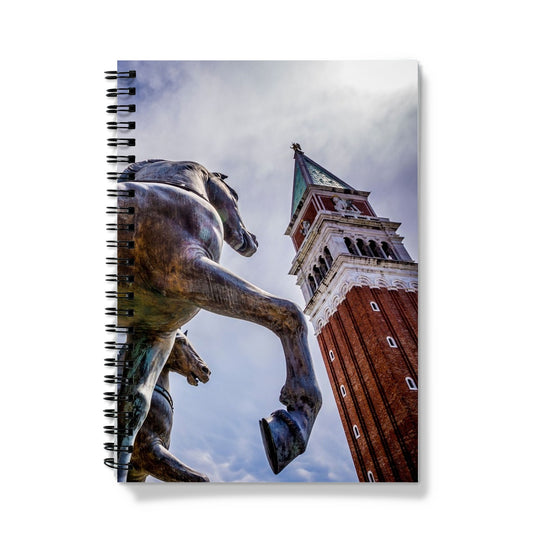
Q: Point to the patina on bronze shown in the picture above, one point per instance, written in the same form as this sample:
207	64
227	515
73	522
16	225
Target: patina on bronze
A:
151	456
182	214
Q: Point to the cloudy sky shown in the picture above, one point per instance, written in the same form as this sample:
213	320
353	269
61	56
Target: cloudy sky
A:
357	119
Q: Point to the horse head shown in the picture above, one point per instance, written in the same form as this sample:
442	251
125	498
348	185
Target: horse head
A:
224	200
184	360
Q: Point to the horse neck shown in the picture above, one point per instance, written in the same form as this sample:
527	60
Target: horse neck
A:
214	194
163	379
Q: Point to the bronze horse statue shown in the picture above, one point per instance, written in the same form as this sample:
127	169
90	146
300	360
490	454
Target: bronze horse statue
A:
151	455
180	215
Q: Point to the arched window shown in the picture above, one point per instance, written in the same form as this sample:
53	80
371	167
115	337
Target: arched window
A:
411	384
362	247
331	355
349	245
356	431
312	283
343	390
392	342
322	265
318	275
374	306
375	249
327	256
371	477
387	250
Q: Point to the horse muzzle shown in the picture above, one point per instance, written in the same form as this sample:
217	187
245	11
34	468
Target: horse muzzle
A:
201	375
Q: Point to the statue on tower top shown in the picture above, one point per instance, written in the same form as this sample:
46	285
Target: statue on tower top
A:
297	148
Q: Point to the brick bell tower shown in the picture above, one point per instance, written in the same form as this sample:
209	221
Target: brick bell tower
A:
360	288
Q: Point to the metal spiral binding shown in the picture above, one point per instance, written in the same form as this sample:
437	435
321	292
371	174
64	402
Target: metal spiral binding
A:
120	244
115	75
117	363
121	91
121	159
113	328
120	142
121	176
121	228
124	125
118	192
116	210
116	397
121	107
119	261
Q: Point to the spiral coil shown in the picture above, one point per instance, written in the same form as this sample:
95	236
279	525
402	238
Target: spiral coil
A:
121	91
123	125
120	142
122	229
114	75
121	176
121	107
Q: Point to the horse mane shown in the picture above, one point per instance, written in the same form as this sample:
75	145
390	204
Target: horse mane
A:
135	167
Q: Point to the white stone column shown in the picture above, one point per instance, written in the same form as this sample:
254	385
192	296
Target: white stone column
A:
336	245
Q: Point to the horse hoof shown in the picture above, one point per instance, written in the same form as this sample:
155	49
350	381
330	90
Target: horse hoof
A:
283	438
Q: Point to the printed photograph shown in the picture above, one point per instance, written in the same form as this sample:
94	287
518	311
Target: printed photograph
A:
265	285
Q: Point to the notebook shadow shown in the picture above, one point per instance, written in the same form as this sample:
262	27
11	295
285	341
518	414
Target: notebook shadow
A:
148	492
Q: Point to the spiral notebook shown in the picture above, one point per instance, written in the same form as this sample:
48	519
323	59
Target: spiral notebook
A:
263	286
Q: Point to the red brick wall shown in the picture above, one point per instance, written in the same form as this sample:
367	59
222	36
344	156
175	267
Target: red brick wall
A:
377	399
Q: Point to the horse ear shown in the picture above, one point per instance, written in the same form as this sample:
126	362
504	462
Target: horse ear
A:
219	175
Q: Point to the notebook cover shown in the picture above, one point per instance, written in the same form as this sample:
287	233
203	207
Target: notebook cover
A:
306	170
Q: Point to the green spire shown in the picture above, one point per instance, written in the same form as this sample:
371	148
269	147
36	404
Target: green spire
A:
307	172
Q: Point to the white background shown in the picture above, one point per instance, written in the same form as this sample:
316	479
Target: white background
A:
475	186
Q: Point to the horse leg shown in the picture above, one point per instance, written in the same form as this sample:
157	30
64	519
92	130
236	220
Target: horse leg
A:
145	360
164	466
285	434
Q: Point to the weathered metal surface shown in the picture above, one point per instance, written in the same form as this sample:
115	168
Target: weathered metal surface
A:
151	455
182	215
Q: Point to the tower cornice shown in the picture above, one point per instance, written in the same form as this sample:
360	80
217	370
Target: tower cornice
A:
349	271
321	228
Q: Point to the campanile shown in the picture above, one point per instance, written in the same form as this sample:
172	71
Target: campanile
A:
361	292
